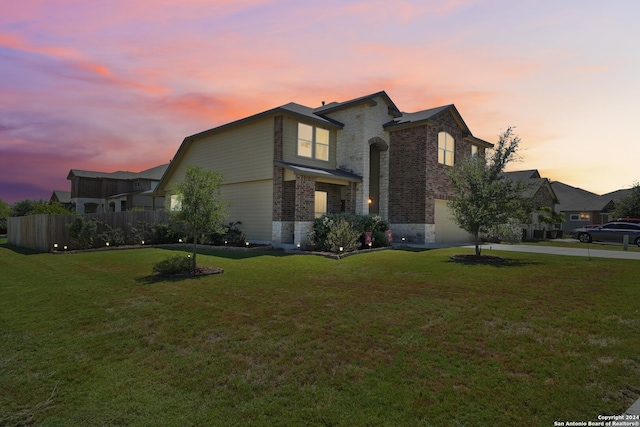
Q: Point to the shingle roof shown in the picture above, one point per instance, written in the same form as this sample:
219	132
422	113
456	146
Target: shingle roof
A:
62	196
419	116
320	172
154	173
334	106
533	182
576	199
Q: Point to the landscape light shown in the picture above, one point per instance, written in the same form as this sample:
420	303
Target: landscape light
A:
107	243
341	248
142	243
55	246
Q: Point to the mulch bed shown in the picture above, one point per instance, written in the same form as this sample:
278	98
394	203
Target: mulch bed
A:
200	271
482	259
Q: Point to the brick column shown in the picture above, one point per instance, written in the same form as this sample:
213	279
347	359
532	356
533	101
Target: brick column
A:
350	198
305	198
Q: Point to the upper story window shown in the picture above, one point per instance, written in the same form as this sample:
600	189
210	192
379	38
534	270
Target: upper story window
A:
313	142
446	148
474	151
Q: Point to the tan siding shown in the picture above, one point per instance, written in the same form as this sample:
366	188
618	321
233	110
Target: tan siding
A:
290	142
447	231
243	153
251	203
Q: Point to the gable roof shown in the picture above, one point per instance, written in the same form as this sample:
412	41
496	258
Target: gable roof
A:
61	196
426	116
526	174
574	199
368	99
533	183
154	173
618	194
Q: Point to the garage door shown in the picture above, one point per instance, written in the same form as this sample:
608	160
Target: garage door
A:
447	231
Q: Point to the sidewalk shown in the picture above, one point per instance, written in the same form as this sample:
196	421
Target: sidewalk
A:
586	252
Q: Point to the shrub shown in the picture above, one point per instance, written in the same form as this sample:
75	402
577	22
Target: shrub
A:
3	226
140	232
164	232
510	232
113	236
360	223
342	237
83	232
231	236
178	264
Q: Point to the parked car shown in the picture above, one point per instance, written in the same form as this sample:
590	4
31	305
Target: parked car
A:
609	232
634	220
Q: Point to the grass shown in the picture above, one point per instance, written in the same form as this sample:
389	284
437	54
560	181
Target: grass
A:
387	338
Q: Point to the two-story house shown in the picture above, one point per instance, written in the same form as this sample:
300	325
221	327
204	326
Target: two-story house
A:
284	167
93	192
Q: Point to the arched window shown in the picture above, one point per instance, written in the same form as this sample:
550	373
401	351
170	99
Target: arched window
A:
446	148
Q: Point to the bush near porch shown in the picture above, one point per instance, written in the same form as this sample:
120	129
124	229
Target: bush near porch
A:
330	232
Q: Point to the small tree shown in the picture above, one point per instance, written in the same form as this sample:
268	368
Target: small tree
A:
629	206
202	210
484	196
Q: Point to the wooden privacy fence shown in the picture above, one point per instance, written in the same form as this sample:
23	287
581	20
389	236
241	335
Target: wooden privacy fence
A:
41	232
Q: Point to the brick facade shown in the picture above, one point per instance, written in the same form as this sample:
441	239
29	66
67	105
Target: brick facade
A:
305	198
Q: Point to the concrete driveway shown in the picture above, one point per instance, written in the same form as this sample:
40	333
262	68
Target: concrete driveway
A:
587	251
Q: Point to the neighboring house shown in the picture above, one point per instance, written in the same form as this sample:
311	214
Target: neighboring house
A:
286	166
93	192
62	197
582	207
538	193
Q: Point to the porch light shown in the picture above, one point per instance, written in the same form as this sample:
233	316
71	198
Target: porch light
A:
370	200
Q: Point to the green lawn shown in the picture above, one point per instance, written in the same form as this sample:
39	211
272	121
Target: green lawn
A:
390	338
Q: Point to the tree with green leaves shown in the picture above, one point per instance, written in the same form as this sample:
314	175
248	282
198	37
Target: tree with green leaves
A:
201	210
485	197
5	209
629	206
35	207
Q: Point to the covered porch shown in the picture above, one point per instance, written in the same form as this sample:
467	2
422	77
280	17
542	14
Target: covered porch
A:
303	193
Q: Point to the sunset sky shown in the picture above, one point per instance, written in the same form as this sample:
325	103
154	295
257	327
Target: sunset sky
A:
117	85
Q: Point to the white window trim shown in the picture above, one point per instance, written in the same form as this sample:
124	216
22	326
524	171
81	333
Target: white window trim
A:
448	155
314	143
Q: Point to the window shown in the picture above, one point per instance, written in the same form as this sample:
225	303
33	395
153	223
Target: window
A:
446	146
474	151
579	217
176	203
313	142
321	204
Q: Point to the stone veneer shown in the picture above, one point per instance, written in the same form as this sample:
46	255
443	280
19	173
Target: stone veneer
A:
362	122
